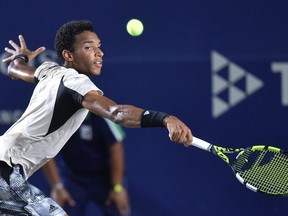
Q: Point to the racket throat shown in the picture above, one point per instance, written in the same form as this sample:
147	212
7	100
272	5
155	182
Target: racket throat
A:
220	152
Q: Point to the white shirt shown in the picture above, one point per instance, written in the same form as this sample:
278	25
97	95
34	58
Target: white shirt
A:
52	116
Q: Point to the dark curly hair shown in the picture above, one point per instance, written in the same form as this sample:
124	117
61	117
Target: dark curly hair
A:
65	36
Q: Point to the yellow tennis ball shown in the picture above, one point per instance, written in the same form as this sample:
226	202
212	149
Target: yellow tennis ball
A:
135	27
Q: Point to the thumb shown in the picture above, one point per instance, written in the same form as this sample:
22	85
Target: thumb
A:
40	50
32	55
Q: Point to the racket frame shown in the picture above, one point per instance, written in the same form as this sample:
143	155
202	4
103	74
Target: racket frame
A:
222	151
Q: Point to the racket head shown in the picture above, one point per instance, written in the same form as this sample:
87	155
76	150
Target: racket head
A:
263	169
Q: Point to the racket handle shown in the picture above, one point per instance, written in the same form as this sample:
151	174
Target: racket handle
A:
199	143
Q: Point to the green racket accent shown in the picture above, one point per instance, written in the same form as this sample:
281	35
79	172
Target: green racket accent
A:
258	147
271	148
263	169
221	151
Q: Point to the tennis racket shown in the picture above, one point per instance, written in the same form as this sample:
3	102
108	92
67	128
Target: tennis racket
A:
260	168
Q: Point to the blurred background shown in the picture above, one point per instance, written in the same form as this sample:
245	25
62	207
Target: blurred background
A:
221	66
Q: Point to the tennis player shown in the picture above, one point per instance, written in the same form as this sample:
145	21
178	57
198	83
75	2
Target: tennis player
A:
60	102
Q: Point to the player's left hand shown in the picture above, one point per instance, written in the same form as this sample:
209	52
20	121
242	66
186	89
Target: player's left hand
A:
22	49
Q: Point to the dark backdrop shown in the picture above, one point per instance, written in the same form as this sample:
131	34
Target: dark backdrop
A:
221	66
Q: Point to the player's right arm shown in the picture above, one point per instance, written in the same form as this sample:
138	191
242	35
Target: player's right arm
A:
18	68
132	116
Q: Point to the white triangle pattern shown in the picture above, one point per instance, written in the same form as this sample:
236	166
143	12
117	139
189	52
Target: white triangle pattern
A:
219	106
253	84
219	60
236	95
235	72
219	84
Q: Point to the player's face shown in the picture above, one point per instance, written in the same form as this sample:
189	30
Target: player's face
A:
87	55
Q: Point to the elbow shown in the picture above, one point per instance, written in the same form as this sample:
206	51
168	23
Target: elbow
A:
126	115
118	114
118	121
115	115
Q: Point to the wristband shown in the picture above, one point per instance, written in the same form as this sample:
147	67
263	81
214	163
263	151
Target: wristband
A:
152	119
118	188
23	57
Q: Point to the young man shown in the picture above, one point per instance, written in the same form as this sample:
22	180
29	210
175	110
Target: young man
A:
90	169
59	104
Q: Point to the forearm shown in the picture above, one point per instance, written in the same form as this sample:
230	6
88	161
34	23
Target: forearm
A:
118	194
51	173
134	117
117	163
18	69
126	115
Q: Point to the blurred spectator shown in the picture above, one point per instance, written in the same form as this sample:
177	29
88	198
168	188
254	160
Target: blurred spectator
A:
90	168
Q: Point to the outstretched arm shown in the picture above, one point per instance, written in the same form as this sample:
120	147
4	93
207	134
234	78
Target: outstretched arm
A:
18	68
131	116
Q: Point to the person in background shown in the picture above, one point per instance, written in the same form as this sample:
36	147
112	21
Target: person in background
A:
90	169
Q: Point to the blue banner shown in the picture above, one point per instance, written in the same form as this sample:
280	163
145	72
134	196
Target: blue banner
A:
220	66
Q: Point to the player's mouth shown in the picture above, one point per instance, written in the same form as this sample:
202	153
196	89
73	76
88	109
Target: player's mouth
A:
99	64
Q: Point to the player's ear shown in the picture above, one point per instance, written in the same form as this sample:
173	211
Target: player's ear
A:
67	55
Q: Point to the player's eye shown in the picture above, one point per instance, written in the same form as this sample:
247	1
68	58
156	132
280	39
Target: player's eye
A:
89	48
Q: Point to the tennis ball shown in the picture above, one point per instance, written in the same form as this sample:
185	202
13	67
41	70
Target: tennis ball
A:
135	27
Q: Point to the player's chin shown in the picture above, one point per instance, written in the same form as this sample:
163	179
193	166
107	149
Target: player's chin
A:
96	72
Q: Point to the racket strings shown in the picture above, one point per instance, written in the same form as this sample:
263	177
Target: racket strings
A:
271	178
276	176
265	170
